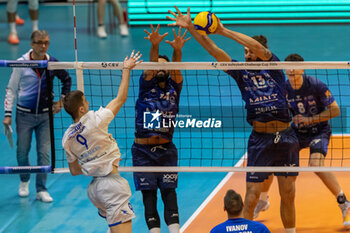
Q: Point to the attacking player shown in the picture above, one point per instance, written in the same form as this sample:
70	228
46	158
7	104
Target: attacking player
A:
312	106
92	151
272	141
159	97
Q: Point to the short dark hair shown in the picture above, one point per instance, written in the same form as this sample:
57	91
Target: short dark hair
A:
294	57
164	57
72	102
233	203
38	33
261	39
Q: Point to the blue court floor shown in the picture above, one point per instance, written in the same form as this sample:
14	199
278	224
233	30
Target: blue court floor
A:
71	210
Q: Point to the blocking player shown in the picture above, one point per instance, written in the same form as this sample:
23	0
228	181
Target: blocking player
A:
159	97
272	141
92	151
312	106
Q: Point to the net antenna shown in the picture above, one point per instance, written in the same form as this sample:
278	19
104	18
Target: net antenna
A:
79	70
208	90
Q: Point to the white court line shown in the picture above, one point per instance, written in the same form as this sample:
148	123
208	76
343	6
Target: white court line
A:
212	194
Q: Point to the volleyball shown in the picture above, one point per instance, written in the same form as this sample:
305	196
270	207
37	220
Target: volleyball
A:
205	23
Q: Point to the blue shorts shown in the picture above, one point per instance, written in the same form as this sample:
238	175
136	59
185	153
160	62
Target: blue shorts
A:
318	142
154	155
280	149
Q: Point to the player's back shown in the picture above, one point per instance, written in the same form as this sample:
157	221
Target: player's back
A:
88	141
240	225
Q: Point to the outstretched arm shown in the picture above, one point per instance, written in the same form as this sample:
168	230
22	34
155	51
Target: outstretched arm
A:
129	63
155	38
177	44
185	21
247	41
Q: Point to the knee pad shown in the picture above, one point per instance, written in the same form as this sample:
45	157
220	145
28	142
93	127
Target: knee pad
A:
12	6
150	204
33	4
171	211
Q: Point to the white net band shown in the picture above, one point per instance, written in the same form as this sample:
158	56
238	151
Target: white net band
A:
202	65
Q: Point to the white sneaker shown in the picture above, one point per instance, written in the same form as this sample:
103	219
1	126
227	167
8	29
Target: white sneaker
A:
44	196
101	32
345	208
23	190
124	31
261	206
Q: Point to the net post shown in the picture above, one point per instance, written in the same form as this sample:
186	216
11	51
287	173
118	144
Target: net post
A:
49	82
80	76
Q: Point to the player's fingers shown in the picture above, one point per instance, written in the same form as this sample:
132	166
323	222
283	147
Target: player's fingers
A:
164	35
157	28
183	36
137	54
132	53
172	13
188	39
180	30
178	11
174	32
170	18
139	62
172	24
147	32
152	28
126	58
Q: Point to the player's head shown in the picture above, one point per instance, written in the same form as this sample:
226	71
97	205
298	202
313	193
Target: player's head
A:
292	73
249	55
233	203
162	76
40	42
76	104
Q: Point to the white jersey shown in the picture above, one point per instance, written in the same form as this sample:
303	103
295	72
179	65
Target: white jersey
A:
89	142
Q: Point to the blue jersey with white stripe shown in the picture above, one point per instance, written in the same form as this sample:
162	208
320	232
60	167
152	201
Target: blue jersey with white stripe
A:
264	93
156	106
310	99
240	225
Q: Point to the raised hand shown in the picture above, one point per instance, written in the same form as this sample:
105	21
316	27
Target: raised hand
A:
130	63
179	40
154	36
181	20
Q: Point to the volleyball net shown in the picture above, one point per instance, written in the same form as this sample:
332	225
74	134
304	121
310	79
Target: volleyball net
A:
211	132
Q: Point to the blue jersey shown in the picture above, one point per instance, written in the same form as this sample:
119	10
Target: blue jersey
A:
240	225
264	94
156	108
310	99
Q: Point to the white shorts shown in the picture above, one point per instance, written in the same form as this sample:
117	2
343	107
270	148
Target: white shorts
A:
110	194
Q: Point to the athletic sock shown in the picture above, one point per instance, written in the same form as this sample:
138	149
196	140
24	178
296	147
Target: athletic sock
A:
263	196
174	228
154	230
35	25
290	230
13	27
